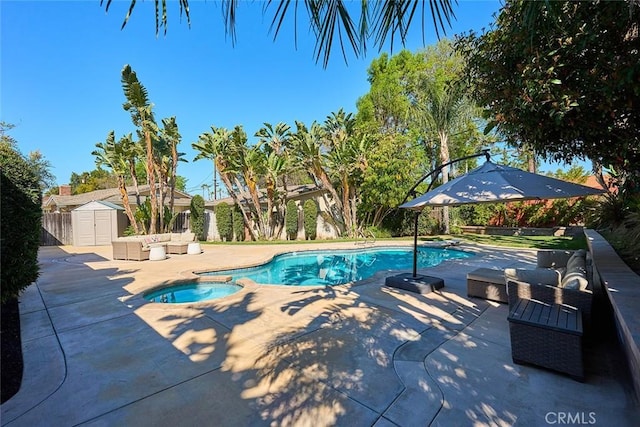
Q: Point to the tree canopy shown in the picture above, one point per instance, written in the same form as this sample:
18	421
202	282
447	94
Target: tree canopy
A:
564	79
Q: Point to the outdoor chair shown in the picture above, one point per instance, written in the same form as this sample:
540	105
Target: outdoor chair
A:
136	252
119	249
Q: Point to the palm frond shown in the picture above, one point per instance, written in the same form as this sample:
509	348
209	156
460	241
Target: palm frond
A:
229	13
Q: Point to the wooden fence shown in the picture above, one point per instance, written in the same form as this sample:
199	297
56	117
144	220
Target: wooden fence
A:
181	223
56	229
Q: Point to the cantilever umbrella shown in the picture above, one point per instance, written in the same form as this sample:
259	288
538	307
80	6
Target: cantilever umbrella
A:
491	183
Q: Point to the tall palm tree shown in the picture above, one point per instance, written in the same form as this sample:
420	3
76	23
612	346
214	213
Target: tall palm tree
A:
250	161
339	128
141	110
112	154
278	139
275	166
330	20
309	151
132	153
170	138
218	146
444	111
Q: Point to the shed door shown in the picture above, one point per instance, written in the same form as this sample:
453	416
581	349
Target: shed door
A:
86	228
103	227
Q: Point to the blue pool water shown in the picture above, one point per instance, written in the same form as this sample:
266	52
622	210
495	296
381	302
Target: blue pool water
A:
338	267
192	292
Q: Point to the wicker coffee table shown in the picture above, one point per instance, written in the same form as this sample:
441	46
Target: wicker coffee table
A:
547	335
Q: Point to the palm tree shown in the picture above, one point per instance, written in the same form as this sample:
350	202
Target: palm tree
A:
278	138
250	161
275	166
170	138
131	151
309	151
441	103
218	146
137	103
339	128
276	141
381	21
113	154
444	111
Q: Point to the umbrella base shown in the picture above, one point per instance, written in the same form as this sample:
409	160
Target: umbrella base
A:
419	284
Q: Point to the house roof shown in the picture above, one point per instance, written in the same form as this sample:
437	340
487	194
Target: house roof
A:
293	192
111	195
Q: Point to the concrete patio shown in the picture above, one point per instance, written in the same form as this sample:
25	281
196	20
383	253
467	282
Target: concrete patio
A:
96	353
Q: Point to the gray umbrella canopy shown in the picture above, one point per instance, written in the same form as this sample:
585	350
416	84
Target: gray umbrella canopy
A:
492	183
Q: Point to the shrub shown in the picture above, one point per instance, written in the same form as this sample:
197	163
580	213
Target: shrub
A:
129	231
401	223
380	233
224	222
238	225
310	219
143	215
197	217
476	214
20	222
291	220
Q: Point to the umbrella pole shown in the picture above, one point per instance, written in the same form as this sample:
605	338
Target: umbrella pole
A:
415	244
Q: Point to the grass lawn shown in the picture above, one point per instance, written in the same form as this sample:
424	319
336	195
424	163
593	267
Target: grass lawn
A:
537	242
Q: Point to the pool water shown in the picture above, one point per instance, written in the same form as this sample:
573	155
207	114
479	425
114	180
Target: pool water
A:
192	292
338	267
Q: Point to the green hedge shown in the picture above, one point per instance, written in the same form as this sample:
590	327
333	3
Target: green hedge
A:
238	224
224	222
20	222
310	219
196	218
291	220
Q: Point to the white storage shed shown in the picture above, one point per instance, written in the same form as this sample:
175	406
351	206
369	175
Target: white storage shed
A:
97	223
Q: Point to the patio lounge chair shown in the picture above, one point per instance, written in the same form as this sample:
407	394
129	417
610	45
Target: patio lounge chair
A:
136	251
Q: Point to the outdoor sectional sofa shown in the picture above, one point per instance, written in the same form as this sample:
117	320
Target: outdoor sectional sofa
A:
137	247
550	310
561	277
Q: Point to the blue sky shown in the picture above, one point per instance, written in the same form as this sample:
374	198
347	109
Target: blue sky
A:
61	63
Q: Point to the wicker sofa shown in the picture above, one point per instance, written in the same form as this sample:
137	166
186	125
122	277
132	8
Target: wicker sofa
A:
137	247
561	277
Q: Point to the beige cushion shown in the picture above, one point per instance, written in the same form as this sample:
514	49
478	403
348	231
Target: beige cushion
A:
188	237
575	278
543	276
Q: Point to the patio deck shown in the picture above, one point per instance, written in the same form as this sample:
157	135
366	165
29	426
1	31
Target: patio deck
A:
96	353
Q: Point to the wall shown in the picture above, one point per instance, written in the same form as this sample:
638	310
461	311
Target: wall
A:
523	231
622	287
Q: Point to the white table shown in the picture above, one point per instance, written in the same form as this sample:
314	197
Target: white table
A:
157	252
194	248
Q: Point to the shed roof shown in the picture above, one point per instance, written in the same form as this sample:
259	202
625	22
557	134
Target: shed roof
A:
98	205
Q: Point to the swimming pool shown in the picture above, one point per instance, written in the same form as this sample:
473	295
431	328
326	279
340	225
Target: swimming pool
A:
192	292
335	267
